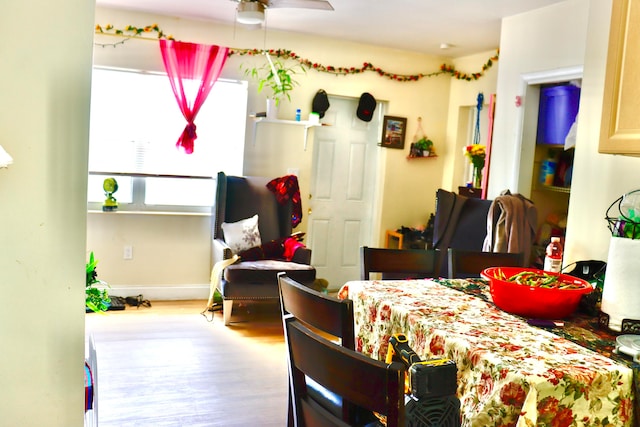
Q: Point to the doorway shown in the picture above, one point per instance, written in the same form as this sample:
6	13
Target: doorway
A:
343	185
551	200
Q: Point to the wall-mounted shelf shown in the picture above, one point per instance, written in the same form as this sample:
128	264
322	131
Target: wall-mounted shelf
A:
555	189
305	123
421	157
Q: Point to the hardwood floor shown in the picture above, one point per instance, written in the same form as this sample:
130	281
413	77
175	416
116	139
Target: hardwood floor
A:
168	366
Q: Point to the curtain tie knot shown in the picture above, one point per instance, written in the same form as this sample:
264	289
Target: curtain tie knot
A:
191	130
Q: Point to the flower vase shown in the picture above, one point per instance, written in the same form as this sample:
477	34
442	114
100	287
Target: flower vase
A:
477	177
272	109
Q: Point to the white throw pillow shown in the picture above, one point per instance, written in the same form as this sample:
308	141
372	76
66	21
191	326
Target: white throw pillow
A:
242	235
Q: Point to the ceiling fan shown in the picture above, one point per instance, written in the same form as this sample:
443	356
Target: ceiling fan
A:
252	11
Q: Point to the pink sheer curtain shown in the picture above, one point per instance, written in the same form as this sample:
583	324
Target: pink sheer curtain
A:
190	61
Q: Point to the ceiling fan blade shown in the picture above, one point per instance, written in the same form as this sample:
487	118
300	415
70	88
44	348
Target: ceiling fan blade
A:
301	4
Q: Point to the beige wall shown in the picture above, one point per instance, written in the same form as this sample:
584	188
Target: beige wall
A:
572	33
463	98
44	125
569	34
408	191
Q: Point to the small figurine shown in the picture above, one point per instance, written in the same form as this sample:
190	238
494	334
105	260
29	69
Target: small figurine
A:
110	186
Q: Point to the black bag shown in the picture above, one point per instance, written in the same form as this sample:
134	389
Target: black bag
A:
138	301
587	270
593	272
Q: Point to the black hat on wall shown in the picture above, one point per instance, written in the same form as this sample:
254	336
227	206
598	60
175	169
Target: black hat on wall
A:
320	103
366	107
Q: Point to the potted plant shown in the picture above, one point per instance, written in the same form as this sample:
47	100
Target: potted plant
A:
426	147
97	300
278	77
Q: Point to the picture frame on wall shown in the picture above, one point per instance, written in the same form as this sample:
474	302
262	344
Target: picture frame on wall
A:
394	130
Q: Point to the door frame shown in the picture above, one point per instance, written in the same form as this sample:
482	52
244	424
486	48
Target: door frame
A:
527	122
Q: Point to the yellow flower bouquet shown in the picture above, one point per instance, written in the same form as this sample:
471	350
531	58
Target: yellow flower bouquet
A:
476	154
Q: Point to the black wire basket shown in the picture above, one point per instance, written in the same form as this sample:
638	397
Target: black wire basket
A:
623	216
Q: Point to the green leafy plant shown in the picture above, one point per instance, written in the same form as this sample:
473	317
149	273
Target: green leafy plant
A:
97	300
424	144
277	76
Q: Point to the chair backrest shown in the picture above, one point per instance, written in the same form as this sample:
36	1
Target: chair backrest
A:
322	312
363	381
331	317
460	222
465	264
241	197
399	263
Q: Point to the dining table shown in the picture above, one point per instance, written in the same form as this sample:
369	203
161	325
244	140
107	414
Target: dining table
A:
509	372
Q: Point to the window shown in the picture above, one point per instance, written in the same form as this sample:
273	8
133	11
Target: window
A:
135	123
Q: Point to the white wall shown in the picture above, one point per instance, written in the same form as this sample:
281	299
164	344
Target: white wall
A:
572	33
408	193
44	125
598	179
545	39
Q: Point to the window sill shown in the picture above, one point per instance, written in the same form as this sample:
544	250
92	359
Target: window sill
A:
165	213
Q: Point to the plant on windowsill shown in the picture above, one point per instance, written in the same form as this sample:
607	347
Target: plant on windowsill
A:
277	76
97	300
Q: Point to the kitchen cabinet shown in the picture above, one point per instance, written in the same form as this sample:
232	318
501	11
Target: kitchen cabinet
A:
620	129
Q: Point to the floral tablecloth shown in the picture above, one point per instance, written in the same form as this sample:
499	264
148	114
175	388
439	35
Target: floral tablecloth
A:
509	373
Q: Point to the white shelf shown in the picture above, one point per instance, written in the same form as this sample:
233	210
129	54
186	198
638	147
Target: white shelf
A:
307	124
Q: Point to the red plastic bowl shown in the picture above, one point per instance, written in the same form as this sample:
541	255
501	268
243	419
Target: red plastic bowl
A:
531	301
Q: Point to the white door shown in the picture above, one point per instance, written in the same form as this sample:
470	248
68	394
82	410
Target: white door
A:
345	155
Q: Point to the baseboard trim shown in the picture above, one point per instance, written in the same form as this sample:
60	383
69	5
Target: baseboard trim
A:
162	293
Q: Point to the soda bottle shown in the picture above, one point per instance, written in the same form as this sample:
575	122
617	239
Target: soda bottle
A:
553	257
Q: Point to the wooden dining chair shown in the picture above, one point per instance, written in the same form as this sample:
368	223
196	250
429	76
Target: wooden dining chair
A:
399	263
464	264
328	316
365	382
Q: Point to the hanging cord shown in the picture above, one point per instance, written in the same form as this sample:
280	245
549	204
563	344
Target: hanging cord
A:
476	136
419	132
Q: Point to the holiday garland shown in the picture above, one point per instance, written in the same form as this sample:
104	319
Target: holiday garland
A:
131	31
367	66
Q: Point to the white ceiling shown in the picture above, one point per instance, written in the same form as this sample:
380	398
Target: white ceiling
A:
471	26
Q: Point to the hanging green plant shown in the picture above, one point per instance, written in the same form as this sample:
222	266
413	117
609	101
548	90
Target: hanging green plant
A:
275	75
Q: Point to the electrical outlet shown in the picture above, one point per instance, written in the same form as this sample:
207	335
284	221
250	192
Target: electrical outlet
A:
128	252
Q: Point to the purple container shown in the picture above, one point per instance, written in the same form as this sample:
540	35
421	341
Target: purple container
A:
557	112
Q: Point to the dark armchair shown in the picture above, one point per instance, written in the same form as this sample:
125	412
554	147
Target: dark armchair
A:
239	198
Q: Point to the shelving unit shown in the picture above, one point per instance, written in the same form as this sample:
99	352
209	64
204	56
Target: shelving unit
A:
537	165
304	123
554	188
421	157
